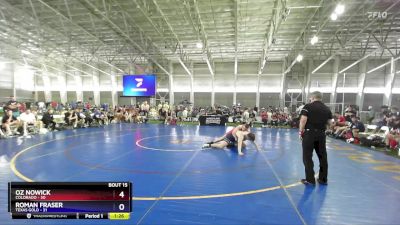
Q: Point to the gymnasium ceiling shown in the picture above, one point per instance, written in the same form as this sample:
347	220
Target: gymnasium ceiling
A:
115	33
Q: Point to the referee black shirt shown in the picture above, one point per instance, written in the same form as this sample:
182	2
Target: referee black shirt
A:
317	114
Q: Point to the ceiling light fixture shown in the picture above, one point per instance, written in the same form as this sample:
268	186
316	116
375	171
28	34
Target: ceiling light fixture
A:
314	40
339	10
333	16
299	58
199	45
26	52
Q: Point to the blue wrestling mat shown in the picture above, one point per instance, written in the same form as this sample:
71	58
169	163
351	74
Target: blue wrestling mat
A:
176	182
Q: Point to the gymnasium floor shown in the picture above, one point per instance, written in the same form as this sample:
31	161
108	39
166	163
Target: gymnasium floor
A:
176	182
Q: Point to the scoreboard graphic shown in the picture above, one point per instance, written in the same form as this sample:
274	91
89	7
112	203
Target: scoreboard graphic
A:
70	200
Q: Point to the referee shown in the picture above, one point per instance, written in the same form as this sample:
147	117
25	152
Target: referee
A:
315	117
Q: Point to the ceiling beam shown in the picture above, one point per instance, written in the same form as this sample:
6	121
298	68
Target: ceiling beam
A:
176	46
200	28
382	44
236	14
97	12
307	29
322	64
277	13
360	60
343	31
311	19
50	46
146	39
382	65
343	46
25	62
69	19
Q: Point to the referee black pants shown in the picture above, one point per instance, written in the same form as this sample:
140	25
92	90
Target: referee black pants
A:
315	139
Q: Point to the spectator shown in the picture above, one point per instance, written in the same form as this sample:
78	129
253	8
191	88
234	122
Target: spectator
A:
145	108
88	117
246	116
41	106
371	114
71	119
179	114
119	115
264	117
13	105
184	114
98	117
274	120
356	127
81	117
54	104
153	113
218	111
299	108
253	114
384	121
349	111
340	119
394	110
255	110
8	121
172	120
285	110
338	124
129	115
136	116
269	113
284	119
110	115
393	137
48	120
27	118
166	106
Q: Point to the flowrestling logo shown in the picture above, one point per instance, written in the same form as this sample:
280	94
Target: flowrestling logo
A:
139	82
139	85
378	15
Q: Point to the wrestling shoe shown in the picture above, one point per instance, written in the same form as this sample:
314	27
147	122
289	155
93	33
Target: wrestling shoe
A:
304	181
207	145
322	182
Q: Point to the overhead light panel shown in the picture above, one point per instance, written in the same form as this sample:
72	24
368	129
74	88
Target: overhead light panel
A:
333	16
27	66
314	40
299	58
199	45
2	65
339	10
26	52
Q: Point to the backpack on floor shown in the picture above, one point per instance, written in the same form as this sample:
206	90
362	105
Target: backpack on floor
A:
372	140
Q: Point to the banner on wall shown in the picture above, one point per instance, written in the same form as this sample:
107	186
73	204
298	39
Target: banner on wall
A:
213	120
